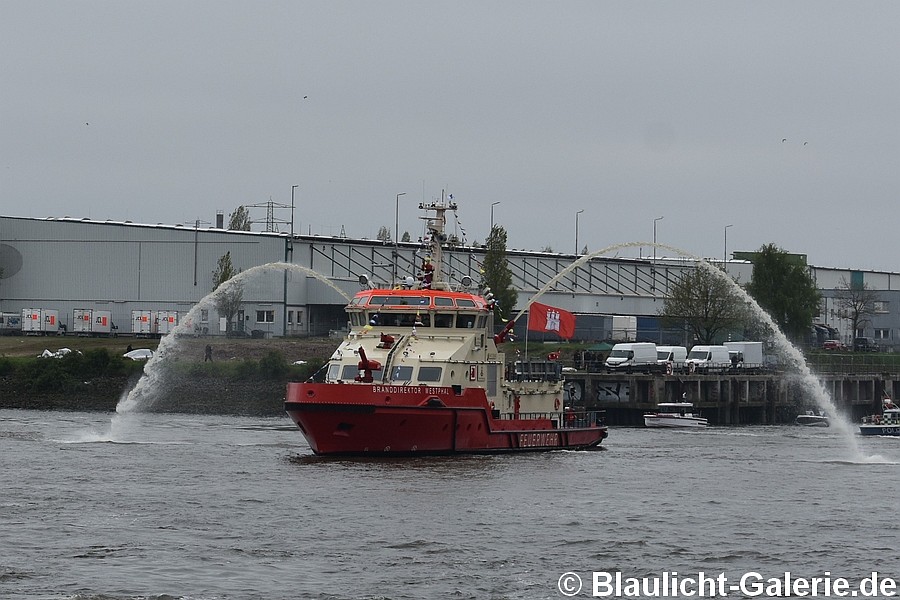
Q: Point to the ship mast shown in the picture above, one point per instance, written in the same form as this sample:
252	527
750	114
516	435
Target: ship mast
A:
435	227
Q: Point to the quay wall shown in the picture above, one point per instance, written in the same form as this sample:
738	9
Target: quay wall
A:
727	398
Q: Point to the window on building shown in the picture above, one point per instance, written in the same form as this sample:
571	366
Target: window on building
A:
290	317
265	316
882	334
204	316
881	306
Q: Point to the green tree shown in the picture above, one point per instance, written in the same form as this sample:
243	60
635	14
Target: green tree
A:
497	275
384	234
227	300
405	237
239	220
782	286
705	303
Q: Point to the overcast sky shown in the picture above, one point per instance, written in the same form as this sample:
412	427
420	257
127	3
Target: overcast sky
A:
778	118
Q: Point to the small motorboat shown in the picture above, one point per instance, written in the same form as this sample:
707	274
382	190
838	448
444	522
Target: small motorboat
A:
811	419
674	414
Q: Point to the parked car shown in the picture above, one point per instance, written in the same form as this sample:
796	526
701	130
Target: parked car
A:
833	345
864	344
139	354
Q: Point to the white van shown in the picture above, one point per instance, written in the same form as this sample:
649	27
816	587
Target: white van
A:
746	354
708	357
671	358
634	356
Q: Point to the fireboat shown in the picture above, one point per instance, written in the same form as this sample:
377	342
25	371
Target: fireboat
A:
420	373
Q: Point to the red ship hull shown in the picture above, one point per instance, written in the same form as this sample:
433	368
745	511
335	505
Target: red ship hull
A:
382	420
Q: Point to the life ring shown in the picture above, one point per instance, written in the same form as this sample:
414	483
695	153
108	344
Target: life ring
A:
556	404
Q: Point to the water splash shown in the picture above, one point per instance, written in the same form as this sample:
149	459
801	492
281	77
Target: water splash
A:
145	391
785	348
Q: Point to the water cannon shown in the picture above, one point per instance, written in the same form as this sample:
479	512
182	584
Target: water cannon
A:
505	332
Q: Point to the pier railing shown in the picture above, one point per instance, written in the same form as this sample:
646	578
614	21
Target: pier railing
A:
854	364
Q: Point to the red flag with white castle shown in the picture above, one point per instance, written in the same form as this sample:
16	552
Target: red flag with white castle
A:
552	320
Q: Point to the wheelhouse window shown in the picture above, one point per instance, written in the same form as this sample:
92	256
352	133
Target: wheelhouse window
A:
429	374
390	318
334	372
441	301
443	320
401	373
398	301
464	321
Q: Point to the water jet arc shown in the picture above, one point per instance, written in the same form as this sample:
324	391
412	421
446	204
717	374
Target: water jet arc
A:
784	346
141	396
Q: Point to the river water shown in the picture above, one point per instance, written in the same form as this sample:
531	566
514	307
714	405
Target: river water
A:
215	507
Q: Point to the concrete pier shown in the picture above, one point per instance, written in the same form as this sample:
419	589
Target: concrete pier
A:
726	398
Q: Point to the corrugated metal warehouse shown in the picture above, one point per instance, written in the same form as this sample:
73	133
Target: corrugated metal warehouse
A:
124	268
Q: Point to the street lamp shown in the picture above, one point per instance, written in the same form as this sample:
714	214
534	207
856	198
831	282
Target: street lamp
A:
396	237
576	230
725	257
493	204
293	187
654	236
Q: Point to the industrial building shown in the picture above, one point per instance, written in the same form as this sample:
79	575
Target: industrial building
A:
298	285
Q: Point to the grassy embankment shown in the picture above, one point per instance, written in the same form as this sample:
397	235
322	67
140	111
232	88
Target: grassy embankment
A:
246	376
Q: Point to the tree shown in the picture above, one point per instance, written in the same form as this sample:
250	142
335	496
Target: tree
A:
228	300
856	302
239	220
384	234
497	275
405	237
706	303
782	286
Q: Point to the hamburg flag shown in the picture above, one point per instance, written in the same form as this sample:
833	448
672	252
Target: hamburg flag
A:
547	318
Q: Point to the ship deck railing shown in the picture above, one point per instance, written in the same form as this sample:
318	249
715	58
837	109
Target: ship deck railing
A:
562	420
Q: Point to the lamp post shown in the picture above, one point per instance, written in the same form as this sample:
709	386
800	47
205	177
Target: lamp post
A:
654	236
493	204
293	187
725	257
576	230
289	249
396	237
